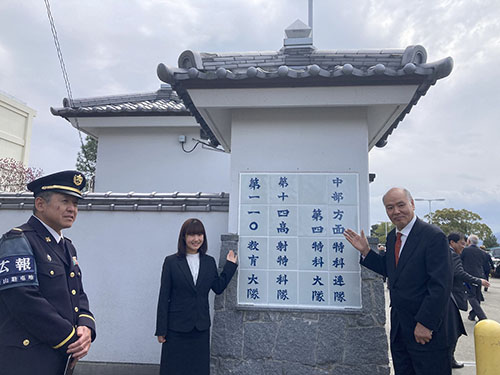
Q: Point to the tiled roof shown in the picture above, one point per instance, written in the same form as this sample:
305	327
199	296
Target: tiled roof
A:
299	63
110	201
164	102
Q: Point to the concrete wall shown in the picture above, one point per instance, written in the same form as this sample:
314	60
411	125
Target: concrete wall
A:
15	129
151	159
299	140
121	255
143	154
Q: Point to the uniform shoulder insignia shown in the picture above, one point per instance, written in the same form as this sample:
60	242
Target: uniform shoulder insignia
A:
14	232
21	229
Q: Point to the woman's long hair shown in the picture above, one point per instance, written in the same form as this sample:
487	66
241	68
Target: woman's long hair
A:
191	226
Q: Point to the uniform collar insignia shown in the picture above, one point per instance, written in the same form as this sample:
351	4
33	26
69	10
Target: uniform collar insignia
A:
47	239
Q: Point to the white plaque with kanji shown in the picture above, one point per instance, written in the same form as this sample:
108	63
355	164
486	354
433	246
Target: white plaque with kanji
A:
292	250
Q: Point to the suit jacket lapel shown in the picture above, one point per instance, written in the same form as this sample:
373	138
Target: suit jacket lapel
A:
409	247
203	269
183	265
42	232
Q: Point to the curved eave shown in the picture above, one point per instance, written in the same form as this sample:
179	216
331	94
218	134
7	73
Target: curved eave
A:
78	112
424	75
163	102
440	69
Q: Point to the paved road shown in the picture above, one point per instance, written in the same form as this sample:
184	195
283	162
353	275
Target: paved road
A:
465	348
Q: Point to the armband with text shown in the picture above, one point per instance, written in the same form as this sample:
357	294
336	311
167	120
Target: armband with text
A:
17	263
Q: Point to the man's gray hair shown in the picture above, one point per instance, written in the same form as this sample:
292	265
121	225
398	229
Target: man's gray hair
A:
45	195
406	191
473	239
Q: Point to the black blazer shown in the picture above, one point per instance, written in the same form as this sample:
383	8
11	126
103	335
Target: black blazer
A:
37	322
420	286
488	265
472	260
183	306
459	277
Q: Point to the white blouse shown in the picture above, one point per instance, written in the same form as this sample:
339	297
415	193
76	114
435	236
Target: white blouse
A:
194	265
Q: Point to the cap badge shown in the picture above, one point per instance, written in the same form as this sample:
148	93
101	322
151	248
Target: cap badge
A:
78	179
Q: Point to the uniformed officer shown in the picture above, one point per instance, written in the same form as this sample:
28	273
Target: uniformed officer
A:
44	311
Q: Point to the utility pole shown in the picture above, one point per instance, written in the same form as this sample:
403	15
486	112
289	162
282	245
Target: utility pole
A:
430	200
311	16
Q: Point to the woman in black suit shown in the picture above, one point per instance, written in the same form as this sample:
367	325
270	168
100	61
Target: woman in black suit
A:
183	318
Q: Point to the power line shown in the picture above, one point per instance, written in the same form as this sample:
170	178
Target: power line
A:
65	78
59	53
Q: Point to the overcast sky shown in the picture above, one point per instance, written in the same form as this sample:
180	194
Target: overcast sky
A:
447	147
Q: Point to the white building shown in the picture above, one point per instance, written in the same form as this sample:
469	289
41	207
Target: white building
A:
139	144
16	120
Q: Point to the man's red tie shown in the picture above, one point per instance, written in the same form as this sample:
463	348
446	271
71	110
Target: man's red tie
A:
397	248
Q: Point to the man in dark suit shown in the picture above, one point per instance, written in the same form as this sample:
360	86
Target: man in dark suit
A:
488	265
457	244
45	321
472	259
418	267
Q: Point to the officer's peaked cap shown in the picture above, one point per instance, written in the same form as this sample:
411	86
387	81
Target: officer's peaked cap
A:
65	182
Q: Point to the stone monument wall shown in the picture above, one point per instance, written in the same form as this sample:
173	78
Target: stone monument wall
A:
294	342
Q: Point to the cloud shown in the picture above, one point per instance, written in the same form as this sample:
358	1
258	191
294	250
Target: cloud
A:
446	147
5	62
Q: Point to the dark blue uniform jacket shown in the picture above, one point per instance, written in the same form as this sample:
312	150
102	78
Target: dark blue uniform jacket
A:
42	300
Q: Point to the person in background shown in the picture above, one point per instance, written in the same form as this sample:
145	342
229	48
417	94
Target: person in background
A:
183	318
45	320
488	265
473	259
458	296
